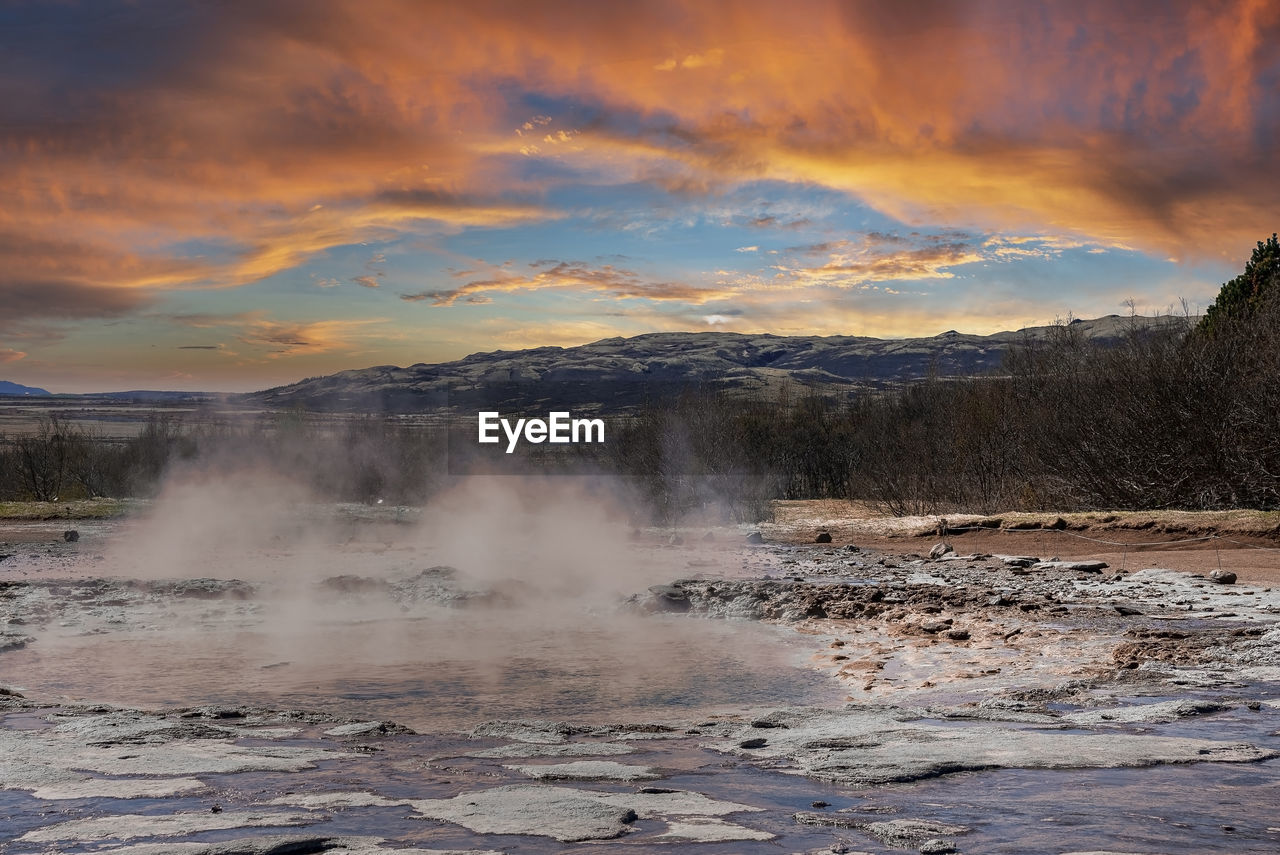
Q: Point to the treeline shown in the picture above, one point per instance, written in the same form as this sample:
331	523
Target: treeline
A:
361	459
1180	413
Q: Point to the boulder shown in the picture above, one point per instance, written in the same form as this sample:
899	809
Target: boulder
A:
940	550
1223	577
823	537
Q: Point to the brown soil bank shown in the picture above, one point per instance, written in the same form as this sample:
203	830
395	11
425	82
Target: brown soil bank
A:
1245	542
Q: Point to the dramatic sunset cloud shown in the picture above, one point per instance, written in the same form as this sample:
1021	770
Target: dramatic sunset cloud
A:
402	170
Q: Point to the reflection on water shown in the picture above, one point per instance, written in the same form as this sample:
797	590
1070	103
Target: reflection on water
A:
448	669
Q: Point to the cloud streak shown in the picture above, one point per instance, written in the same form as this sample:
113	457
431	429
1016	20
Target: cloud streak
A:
606	280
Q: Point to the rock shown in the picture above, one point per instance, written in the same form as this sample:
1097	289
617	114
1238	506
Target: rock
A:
670	598
586	770
710	830
937	846
14	641
367	728
281	844
958	634
1157	713
755	742
1073	566
913	832
131	826
823	537
520	750
1223	577
940	549
525	730
755	538
709	537
71	535
868	747
566	814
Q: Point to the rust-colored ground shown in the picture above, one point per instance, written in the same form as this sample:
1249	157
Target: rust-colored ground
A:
1244	542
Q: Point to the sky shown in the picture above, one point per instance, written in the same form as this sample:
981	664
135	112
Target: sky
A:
228	197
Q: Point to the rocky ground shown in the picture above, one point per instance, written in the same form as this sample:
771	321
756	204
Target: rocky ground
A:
992	703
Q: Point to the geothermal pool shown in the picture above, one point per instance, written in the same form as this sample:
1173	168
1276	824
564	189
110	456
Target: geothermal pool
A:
208	681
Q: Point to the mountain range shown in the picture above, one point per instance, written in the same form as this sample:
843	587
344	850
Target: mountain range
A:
617	373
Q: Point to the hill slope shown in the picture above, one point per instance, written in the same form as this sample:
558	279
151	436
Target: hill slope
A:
7	388
620	372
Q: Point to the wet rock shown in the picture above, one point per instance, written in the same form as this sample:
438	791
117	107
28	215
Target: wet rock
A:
351	584
937	846
823	537
14	641
831	820
710	830
566	814
367	728
71	535
587	770
754	742
1128	611
913	832
518	750
525	731
199	589
1073	566
755	538
1157	713
940	549
869	746
670	598
1223	577
82	757
133	826
276	844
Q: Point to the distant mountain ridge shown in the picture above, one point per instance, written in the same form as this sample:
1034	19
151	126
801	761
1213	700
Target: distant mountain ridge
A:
616	373
8	388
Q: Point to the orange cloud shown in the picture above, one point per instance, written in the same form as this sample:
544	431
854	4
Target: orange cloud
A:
278	131
291	339
607	280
